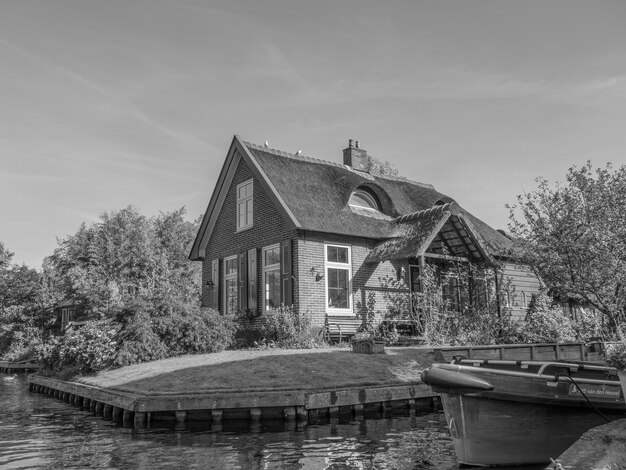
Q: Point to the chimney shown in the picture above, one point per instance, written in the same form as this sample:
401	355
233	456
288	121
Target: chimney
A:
355	157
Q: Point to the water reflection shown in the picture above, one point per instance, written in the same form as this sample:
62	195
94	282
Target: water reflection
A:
44	433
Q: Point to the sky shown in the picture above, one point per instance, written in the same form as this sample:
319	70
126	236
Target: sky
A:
110	103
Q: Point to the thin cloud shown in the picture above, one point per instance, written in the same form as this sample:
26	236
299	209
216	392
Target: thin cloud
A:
56	68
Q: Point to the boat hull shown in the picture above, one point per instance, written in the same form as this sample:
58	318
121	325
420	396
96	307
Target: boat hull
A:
521	413
496	432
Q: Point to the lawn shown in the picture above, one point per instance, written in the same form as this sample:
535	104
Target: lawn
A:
272	369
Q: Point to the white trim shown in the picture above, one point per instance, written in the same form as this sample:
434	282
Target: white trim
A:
372	204
228	277
269	268
248	212
335	265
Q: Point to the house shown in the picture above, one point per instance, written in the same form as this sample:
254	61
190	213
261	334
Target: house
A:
69	314
332	237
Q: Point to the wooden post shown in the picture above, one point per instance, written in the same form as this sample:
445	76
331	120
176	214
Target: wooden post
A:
302	414
255	414
107	412
386	409
412	408
216	416
127	418
116	414
139	420
290	413
181	417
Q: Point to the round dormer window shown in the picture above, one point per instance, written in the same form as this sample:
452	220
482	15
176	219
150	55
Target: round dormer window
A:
363	199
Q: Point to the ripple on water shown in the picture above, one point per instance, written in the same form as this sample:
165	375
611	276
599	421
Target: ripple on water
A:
39	432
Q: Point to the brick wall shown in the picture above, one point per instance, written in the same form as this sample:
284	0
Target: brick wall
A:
269	228
366	278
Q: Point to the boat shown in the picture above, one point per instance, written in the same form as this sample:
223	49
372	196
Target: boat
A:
511	412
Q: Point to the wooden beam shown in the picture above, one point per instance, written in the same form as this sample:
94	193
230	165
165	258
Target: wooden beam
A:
446	257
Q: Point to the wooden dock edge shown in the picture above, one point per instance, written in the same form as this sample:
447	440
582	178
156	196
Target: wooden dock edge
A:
18	367
301	407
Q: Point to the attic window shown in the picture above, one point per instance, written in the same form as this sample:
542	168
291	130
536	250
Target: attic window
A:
244	205
363	199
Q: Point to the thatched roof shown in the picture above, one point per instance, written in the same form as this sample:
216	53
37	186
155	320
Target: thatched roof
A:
313	195
441	230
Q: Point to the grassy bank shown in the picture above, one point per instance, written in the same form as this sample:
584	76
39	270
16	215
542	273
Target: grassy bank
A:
243	370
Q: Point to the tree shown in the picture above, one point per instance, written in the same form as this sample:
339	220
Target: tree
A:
378	166
22	314
126	256
573	236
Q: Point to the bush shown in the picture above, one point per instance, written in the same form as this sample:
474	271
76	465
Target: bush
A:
286	328
196	331
616	356
85	350
150	333
546	322
138	342
551	326
24	345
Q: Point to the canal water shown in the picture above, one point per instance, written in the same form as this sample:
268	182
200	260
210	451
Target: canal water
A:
40	432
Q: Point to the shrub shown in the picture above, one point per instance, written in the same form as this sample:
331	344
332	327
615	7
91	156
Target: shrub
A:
138	341
286	328
546	322
196	331
616	355
150	333
85	350
24	345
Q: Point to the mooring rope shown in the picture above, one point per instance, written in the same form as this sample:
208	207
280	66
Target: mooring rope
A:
595	408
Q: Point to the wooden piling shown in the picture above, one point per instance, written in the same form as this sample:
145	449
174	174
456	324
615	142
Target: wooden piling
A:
139	420
216	416
116	414
127	418
290	413
255	414
181	417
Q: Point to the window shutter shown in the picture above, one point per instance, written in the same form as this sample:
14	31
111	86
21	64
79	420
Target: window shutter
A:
215	279
252	296
243	281
285	270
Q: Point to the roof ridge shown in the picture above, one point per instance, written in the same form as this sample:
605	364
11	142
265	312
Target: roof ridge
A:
404	178
423	213
282	153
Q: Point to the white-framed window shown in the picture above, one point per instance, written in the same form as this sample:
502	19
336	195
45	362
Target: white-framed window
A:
271	277
338	279
230	285
364	200
244	205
